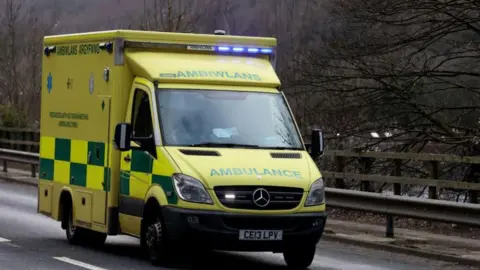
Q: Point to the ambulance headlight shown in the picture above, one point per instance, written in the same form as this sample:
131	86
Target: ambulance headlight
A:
190	189
316	195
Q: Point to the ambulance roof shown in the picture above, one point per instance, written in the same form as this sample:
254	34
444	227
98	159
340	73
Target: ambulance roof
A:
162	37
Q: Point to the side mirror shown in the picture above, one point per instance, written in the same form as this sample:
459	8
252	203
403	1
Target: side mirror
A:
123	132
317	145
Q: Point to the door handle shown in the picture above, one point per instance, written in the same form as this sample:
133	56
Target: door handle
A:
127	158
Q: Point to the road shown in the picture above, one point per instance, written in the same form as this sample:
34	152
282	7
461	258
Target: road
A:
31	241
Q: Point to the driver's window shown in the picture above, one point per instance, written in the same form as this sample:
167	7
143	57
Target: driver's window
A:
141	115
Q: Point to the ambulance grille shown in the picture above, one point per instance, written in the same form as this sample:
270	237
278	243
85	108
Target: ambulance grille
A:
199	152
281	198
285	155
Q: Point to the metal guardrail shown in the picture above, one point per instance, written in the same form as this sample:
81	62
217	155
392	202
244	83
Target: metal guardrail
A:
389	205
28	158
404	206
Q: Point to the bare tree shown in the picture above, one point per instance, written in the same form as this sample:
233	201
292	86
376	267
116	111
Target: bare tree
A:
407	69
407	66
20	62
173	15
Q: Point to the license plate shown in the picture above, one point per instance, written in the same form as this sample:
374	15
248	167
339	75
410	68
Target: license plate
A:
260	235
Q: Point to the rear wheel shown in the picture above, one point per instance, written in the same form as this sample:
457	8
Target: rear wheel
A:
299	256
75	235
95	239
81	236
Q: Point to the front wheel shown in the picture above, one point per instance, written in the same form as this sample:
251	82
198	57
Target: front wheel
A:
156	243
299	257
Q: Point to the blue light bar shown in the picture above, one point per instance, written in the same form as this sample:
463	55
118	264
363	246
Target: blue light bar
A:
238	49
224	49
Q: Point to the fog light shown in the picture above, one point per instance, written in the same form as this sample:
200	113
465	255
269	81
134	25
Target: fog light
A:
318	222
192	220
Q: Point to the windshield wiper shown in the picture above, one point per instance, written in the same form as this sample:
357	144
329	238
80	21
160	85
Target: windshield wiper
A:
239	145
229	145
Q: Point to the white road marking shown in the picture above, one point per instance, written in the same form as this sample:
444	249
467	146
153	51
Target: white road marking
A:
3	240
12	245
79	263
319	261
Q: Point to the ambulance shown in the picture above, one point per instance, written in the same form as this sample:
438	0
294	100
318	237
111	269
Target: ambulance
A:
181	140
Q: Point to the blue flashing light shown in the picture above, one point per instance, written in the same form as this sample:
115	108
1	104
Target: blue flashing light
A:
238	49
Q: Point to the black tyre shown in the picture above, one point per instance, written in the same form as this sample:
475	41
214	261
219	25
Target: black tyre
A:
75	236
156	243
95	239
81	236
299	257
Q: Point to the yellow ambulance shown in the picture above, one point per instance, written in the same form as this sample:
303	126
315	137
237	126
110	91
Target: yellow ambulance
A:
181	140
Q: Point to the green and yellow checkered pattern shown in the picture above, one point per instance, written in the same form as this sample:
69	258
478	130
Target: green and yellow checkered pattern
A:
142	172
74	162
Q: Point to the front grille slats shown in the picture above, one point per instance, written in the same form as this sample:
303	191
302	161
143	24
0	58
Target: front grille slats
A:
281	198
226	201
237	193
236	201
286	202
283	193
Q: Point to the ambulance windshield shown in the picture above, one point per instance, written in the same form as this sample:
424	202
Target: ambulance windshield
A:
208	118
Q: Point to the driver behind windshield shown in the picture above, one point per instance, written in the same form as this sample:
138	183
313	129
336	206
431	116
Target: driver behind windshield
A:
194	130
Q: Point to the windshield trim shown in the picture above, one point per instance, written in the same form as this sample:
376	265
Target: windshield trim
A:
281	148
239	147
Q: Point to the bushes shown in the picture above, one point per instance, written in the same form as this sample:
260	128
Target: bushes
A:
12	117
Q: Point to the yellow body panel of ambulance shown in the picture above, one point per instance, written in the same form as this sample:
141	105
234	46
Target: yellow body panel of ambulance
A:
188	131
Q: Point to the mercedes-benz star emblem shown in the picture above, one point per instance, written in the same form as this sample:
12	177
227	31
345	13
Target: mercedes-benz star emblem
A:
261	197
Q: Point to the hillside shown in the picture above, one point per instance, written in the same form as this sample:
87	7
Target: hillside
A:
349	67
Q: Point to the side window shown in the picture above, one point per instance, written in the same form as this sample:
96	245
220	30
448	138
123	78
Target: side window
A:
141	115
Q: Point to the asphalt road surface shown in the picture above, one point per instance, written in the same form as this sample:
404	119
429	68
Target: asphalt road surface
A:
31	241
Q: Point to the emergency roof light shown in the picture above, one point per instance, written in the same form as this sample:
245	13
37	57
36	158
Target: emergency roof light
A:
238	49
230	49
241	49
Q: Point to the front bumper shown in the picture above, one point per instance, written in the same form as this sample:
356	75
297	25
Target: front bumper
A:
220	230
